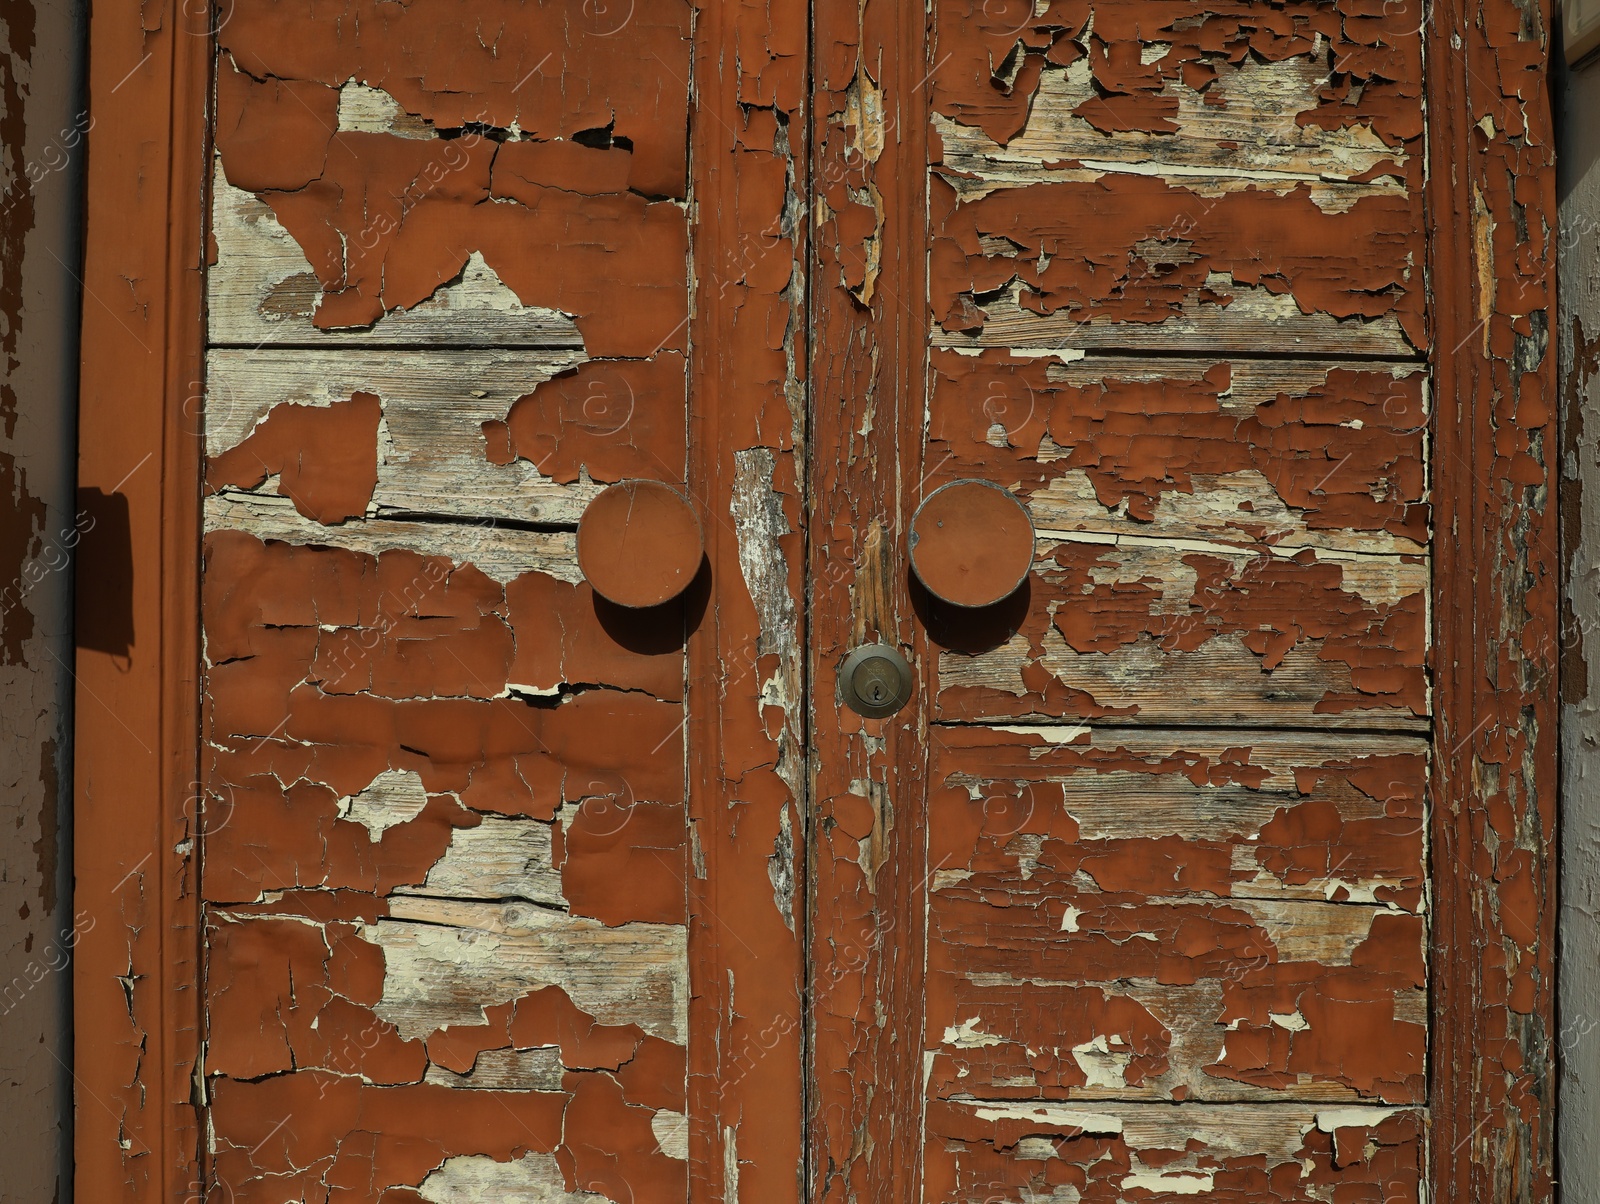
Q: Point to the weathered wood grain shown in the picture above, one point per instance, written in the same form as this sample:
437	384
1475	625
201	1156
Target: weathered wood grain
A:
1240	814
1246	130
1116	1153
446	961
1287	453
1149	632
262	292
1217	316
524	436
502	553
502	859
1127	261
506	1070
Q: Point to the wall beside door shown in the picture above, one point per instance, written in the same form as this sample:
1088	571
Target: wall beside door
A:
1579	257
41	159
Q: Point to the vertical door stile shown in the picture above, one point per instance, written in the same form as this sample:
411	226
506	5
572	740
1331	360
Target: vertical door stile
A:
867	843
746	671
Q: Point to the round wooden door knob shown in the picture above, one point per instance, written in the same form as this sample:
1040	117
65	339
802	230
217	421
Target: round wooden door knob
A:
639	543
971	543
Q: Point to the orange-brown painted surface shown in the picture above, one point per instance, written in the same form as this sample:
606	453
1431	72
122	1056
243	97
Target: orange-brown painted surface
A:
971	543
639	543
516	160
447	840
325	459
511	891
1306	447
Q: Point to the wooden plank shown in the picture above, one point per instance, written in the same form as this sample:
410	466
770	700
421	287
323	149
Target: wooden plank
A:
1133	262
1043	990
1123	175
261	292
1170	915
411	1130
1308	92
503	553
1239	814
525	436
1246	130
1152	632
1220	1039
1117	1153
1288	453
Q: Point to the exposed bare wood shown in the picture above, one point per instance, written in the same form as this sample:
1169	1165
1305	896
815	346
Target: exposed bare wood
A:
1244	131
1218	314
448	961
1255	815
1161	634
504	553
479	435
262	292
1132	1152
1285	453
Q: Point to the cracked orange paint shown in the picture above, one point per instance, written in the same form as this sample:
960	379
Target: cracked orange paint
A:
510	889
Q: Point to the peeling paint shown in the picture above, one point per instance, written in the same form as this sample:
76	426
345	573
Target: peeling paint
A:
1134	896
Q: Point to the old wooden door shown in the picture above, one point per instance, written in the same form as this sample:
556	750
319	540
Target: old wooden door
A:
1210	860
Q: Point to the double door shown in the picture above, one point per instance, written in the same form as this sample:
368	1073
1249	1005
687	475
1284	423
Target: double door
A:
817	603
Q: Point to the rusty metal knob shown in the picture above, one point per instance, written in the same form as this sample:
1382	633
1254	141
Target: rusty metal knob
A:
971	543
639	543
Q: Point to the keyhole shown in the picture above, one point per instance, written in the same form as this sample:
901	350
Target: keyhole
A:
876	680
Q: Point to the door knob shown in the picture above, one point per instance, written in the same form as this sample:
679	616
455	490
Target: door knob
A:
639	543
971	543
875	680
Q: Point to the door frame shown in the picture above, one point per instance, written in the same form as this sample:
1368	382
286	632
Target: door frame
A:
1495	602
136	743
